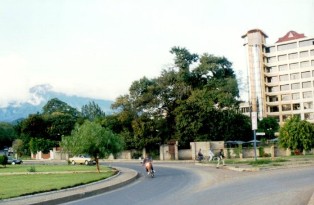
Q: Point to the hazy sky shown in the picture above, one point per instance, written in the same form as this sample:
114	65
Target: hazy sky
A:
97	48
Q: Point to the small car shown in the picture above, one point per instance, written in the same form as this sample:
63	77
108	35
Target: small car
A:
12	160
81	159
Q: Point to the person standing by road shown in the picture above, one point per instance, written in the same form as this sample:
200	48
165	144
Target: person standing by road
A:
211	154
221	157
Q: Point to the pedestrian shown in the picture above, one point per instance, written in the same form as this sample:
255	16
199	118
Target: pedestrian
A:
221	157
211	155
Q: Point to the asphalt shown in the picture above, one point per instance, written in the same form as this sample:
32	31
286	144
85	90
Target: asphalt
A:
123	177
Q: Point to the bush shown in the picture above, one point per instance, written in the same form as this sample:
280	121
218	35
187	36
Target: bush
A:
32	169
3	160
136	155
266	155
261	151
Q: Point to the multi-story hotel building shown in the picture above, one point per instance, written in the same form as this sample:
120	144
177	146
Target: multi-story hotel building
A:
281	75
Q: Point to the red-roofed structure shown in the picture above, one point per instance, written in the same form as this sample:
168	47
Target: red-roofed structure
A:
291	35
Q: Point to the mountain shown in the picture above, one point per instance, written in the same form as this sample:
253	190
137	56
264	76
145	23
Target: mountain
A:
40	95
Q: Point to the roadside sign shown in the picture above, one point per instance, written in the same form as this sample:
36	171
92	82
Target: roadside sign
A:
254	120
260	133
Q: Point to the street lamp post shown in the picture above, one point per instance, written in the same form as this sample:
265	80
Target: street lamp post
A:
254	128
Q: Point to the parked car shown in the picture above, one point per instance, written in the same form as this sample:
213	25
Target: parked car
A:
12	160
82	159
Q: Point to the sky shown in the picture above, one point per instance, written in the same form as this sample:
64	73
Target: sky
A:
97	48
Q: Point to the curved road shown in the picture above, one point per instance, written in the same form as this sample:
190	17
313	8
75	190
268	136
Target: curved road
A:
191	184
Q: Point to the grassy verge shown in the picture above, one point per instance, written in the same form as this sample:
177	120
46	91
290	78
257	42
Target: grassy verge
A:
262	162
22	182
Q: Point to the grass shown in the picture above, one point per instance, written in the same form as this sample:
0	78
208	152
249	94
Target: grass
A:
21	182
48	168
262	162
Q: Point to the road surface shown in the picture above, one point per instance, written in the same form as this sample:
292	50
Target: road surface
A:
186	183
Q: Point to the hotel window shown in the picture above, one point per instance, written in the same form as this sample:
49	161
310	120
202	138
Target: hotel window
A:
312	62
270	49
296	106
286	107
293	55
312	52
283	67
285	117
273	89
286	46
307	94
282	57
272	79
293	66
273	69
284	77
295	96
306	74
284	87
304	64
306	84
294	76
309	116
295	86
271	59
285	97
304	54
273	98
308	105
306	43
273	109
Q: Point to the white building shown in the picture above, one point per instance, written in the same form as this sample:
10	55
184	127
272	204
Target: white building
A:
281	75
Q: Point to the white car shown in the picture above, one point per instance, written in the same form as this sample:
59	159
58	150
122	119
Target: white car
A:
81	159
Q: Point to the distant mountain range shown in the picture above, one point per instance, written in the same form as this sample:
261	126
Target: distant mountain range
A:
40	95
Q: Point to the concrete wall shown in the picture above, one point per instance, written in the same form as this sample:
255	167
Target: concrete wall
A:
165	154
185	154
127	154
215	146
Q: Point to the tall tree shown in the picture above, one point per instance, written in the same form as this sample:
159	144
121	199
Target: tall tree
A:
92	111
56	105
92	139
7	134
183	103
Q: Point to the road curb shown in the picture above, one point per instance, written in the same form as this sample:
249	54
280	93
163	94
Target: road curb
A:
125	176
311	202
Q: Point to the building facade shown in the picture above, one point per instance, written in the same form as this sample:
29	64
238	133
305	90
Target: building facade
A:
281	75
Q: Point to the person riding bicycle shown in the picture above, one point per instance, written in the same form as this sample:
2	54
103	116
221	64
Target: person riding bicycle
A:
200	155
150	160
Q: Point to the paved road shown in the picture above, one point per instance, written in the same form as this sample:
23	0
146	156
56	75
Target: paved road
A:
190	184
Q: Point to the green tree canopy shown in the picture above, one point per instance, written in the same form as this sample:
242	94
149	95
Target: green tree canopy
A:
268	125
92	111
297	134
92	139
183	103
56	105
7	134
